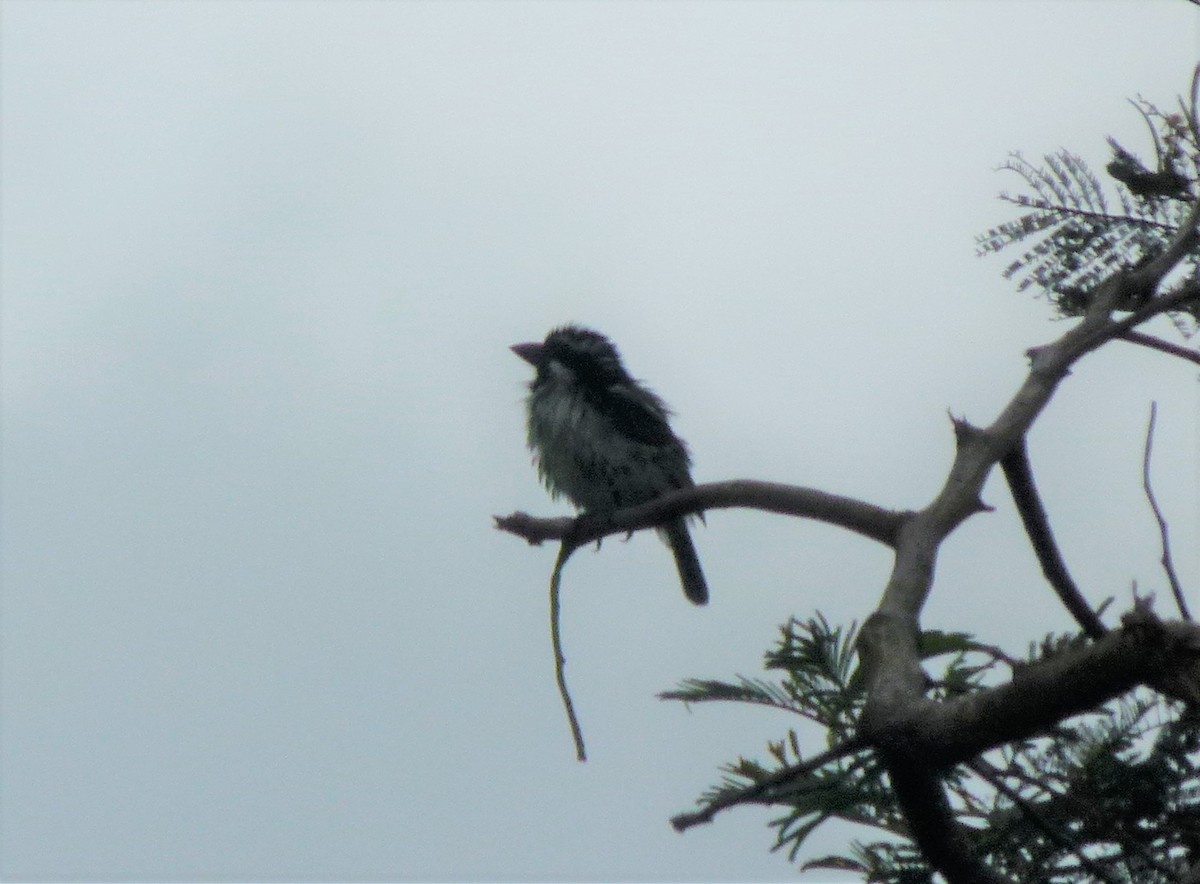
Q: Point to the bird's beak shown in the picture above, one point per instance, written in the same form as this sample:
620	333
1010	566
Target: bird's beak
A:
531	353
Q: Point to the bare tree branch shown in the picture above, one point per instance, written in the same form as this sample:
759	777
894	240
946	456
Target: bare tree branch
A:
1144	650
934	827
898	679
1184	296
866	519
1162	346
1019	473
896	713
1167	563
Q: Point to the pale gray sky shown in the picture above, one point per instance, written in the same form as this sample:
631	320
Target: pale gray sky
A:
261	265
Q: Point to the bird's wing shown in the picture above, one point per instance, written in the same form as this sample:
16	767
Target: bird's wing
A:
639	415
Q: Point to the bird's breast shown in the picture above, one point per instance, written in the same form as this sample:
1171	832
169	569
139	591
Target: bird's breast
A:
581	454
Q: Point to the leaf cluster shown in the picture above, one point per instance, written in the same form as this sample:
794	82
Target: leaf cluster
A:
1113	797
1076	232
1110	796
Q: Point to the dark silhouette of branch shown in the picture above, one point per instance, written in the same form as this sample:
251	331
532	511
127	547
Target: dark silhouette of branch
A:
1167	563
1162	346
1184	296
773	789
1019	473
934	826
979	450
896	713
866	519
1145	651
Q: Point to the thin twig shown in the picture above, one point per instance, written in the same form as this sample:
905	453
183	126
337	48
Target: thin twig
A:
1167	563
560	662
1192	111
1158	148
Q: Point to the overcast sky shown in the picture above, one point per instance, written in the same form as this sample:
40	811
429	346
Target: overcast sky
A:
261	267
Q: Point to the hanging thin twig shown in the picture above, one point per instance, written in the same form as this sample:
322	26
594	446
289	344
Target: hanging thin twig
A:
1167	563
560	661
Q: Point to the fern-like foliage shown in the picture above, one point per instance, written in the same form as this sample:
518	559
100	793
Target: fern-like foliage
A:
817	659
818	682
1112	796
1076	231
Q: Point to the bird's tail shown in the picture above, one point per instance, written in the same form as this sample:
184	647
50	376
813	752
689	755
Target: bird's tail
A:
690	575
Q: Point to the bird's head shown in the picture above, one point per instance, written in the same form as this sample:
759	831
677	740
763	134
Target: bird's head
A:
578	352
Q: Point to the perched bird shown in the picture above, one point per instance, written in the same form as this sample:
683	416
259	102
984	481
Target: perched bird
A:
602	439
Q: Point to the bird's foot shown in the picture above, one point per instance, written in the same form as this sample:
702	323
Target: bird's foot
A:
589	523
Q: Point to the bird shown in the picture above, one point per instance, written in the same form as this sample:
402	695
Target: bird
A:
603	439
